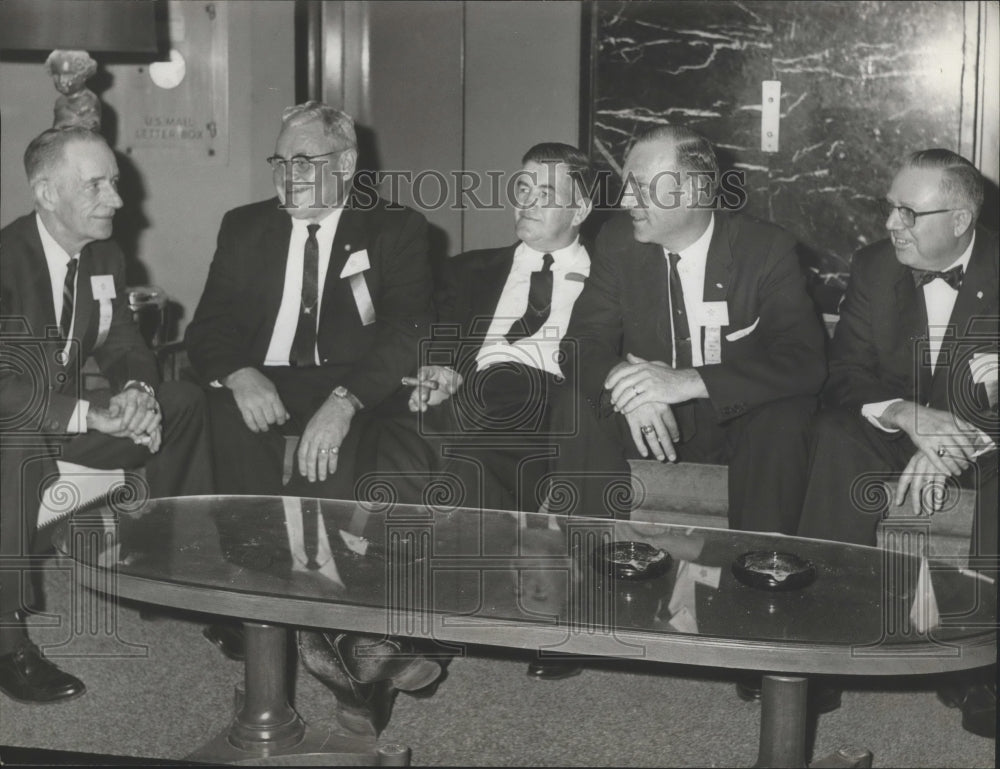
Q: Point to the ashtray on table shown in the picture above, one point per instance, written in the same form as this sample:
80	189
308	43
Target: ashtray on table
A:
773	570
632	560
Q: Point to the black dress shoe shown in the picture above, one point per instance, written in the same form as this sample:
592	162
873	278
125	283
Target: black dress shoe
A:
823	698
26	676
229	640
553	670
978	703
364	673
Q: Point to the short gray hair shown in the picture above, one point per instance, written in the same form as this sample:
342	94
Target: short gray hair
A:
337	124
961	181
48	148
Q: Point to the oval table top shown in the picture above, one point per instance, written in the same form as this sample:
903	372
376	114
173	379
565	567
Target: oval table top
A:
537	581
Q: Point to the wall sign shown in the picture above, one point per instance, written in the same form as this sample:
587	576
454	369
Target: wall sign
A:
178	108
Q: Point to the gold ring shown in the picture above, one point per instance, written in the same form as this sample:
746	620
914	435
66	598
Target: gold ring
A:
647	429
941	451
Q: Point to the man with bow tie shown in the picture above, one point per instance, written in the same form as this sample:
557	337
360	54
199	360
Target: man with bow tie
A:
913	376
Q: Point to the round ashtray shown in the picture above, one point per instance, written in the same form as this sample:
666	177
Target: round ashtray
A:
772	570
633	560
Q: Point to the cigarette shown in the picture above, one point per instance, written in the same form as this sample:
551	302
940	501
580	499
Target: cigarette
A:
412	381
976	575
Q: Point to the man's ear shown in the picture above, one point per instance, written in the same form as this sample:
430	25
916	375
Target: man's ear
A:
347	163
45	194
961	221
584	205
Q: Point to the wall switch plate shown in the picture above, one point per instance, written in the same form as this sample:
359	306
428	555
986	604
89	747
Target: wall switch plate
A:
770	114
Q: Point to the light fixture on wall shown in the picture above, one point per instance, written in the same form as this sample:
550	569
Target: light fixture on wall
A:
70	29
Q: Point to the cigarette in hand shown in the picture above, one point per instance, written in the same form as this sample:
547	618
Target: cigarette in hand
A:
412	381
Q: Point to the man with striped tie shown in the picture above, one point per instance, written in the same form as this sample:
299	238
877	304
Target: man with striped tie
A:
63	299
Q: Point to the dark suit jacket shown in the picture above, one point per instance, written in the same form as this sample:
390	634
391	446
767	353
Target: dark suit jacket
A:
466	299
882	335
36	392
232	326
752	265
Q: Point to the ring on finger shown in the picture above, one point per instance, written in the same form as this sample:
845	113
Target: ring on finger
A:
941	451
647	429
324	451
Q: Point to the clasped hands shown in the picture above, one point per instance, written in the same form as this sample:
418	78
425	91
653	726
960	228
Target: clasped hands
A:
643	392
260	406
946	447
132	414
431	386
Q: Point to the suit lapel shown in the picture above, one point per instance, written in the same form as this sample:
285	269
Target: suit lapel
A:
719	263
911	319
973	301
274	249
350	238
487	286
41	281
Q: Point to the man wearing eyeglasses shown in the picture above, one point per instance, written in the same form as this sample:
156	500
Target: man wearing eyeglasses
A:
315	303
312	312
913	377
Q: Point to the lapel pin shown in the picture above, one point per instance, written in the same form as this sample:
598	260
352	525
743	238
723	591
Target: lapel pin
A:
347	246
718	285
979	295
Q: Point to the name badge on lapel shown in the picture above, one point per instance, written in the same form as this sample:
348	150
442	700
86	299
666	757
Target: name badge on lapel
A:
712	316
103	289
354	270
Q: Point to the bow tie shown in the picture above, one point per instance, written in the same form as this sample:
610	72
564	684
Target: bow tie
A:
952	277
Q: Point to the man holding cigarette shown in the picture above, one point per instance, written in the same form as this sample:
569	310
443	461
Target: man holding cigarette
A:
485	389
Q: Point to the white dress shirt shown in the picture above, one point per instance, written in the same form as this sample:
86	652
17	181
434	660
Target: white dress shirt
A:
570	266
58	263
939	301
283	336
691	269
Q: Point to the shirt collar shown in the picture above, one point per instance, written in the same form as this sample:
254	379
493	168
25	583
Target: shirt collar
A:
697	251
54	253
571	257
327	224
963	260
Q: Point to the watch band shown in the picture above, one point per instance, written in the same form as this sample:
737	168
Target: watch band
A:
135	384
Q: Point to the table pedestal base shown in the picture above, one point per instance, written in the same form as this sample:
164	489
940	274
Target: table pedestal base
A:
268	732
783	729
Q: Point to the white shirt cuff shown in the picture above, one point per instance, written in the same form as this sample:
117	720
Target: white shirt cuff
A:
873	411
78	419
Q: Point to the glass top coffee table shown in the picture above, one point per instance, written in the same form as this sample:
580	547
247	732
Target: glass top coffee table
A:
576	586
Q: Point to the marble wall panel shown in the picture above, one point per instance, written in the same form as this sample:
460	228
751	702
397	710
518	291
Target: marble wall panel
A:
863	83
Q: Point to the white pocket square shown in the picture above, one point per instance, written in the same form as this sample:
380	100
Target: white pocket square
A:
735	335
356	262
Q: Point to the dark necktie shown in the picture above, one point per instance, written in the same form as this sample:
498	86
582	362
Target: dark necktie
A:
952	277
539	303
69	294
310	532
304	344
678	315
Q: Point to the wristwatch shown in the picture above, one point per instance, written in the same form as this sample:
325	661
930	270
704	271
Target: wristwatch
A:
342	392
135	384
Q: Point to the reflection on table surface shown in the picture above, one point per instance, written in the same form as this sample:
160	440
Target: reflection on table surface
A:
534	569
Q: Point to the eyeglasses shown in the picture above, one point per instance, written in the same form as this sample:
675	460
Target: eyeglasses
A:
907	215
300	163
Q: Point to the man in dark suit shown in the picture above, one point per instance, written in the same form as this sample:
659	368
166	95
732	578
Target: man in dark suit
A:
315	303
913	378
63	299
696	341
313	310
485	395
